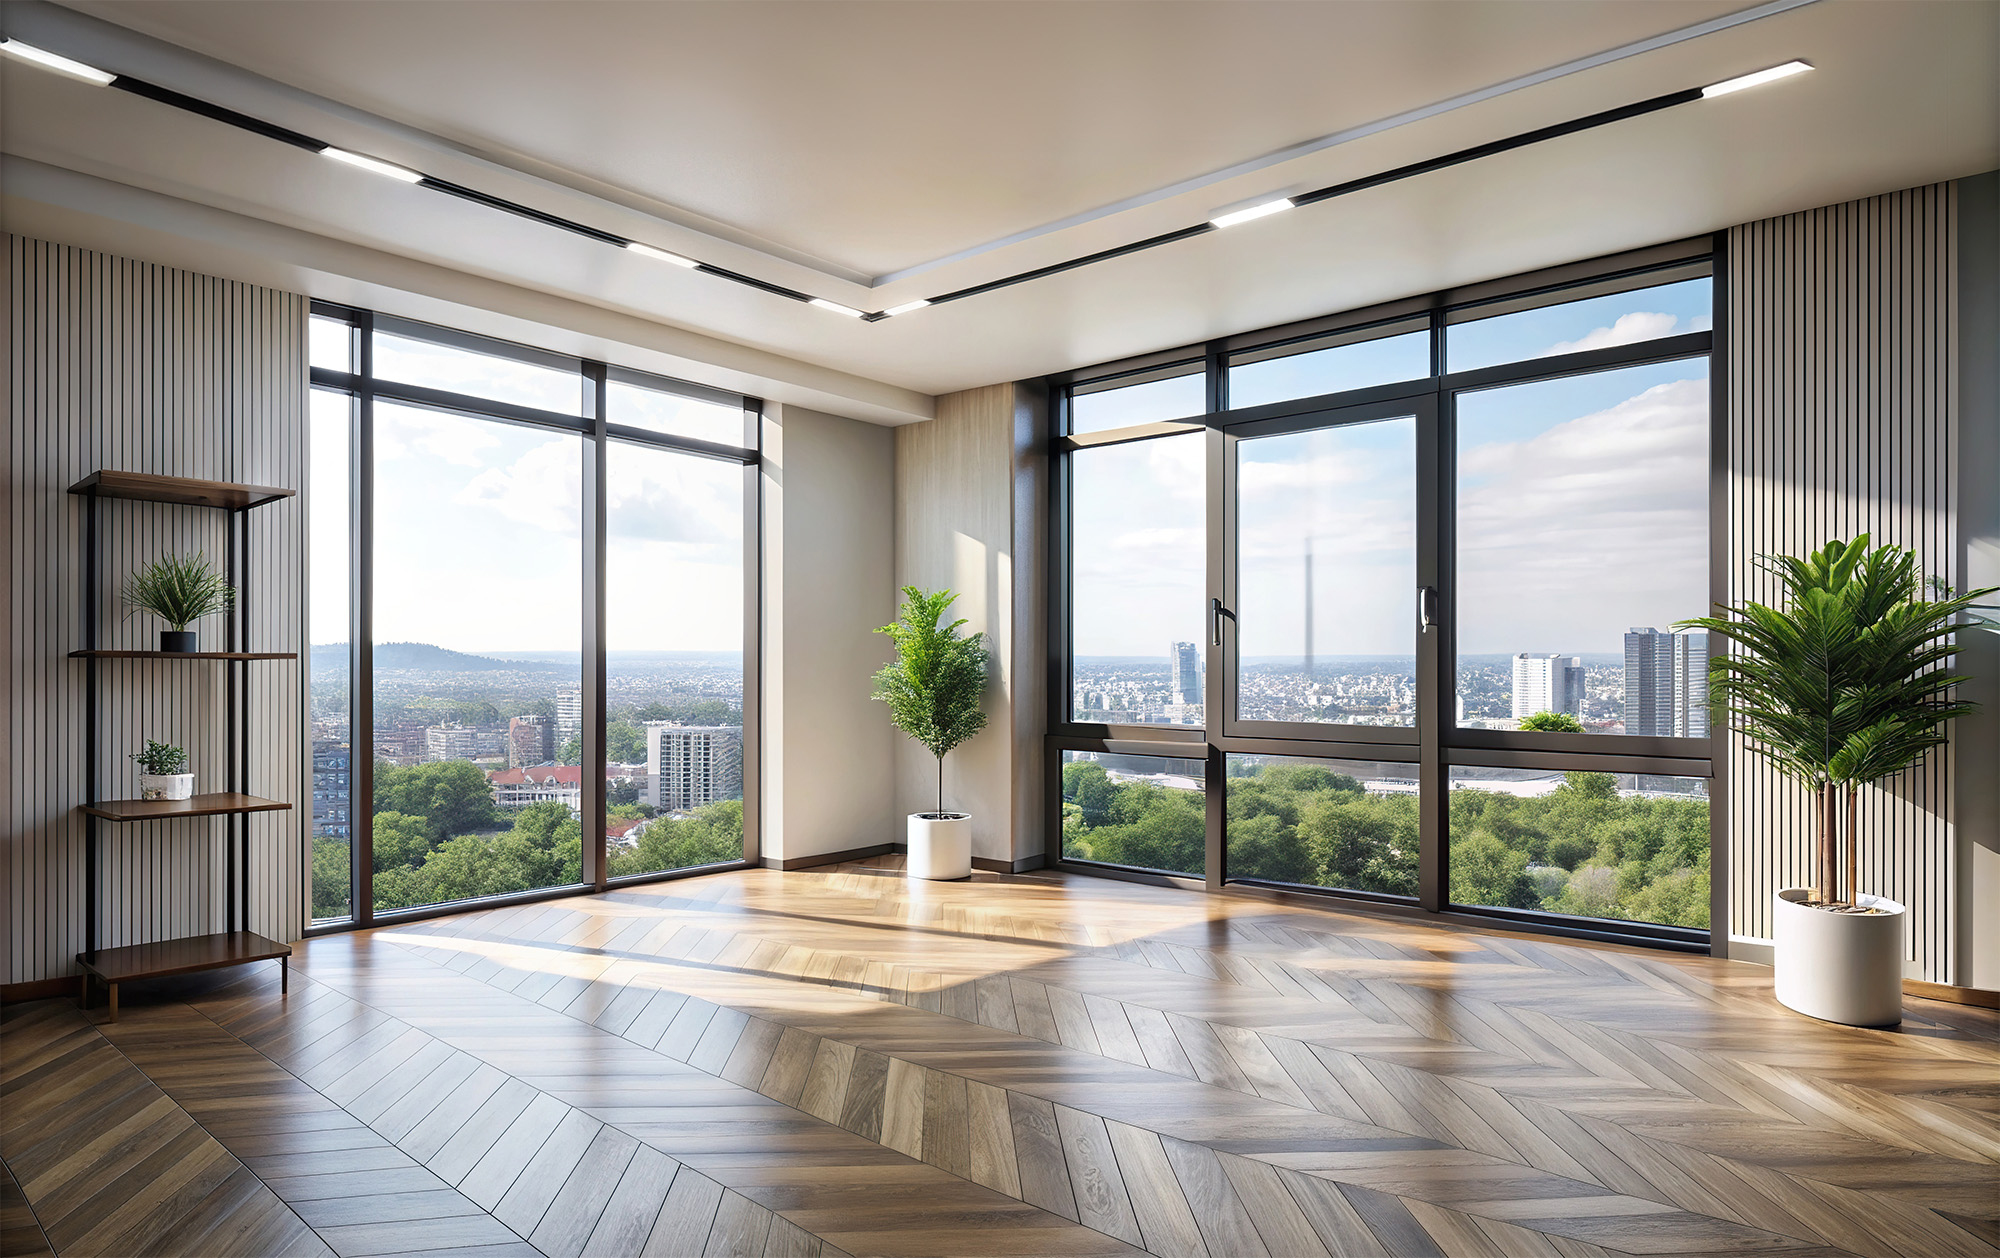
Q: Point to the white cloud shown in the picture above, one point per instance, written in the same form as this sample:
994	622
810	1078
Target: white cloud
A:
405	432
1639	325
543	488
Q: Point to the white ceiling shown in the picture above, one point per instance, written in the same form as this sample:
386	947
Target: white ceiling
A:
824	145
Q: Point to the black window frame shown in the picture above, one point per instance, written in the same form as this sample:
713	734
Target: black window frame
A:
598	435
1436	744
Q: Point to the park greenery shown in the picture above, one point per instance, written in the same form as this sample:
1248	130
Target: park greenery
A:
439	837
1583	848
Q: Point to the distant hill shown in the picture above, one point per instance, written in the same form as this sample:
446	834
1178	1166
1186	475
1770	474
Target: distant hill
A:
423	657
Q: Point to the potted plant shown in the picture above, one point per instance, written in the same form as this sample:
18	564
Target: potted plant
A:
179	589
933	689
1844	685
163	772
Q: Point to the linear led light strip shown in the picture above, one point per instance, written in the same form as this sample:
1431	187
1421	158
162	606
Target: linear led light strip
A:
1248	213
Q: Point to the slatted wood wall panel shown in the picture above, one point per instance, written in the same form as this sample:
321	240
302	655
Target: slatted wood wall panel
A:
126	365
1842	345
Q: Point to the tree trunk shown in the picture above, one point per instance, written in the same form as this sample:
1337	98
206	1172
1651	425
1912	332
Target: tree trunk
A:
1853	848
940	806
1824	855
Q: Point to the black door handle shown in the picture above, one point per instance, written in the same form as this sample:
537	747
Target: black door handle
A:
1427	607
1216	611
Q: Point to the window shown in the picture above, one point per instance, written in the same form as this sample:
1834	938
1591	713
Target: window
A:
1582	527
1137	812
1408	602
480	464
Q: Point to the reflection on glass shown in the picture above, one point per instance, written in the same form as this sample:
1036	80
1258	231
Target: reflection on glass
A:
1624	846
327	675
478	608
1344	824
1326	551
1311	372
1139	812
1138	573
673	413
1644	314
674	662
407	360
1177	397
329	344
1582	536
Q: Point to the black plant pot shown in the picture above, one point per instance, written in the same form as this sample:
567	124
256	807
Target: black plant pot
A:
178	640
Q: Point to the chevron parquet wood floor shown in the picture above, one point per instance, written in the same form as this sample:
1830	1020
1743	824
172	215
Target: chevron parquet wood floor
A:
841	1062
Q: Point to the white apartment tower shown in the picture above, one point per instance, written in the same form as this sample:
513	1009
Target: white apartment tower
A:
1547	683
688	766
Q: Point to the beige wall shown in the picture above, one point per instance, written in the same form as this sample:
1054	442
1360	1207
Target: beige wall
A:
829	751
969	515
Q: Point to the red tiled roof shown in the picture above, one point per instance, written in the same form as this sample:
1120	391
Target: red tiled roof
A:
619	829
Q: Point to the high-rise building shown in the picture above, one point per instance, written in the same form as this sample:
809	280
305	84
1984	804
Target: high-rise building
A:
530	740
331	764
569	715
1185	663
451	742
691	765
1547	683
1666	683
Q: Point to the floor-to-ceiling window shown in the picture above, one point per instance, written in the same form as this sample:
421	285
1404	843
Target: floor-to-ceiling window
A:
1385	604
533	603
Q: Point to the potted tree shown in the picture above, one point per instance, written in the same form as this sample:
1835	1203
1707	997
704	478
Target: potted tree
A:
179	589
1844	685
934	688
163	772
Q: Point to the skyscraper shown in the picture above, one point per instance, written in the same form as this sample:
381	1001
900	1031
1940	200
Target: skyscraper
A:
530	740
1666	683
569	715
691	765
1184	661
1547	683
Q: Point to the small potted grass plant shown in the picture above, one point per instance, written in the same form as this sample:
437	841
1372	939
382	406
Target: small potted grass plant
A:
1845	684
179	589
163	772
934	689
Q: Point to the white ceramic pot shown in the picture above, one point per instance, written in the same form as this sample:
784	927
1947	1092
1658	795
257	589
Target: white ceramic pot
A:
1839	967
940	845
166	786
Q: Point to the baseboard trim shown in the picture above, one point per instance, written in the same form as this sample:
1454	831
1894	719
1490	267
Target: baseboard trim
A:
989	864
40	989
1976	996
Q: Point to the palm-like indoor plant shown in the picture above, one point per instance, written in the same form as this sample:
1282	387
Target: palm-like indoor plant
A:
1846	684
163	772
179	589
934	689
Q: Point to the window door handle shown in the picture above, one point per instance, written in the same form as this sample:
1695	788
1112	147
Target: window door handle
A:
1216	611
1427	608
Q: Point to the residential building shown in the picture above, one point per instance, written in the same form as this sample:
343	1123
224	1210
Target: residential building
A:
1547	683
688	766
569	716
530	740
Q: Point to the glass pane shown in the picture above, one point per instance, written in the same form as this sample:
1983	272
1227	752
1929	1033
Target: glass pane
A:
1326	552
1177	397
478	609
327	519
672	413
1345	824
1312	372
1582	537
674	661
1138	581
1626	846
1642	314
1141	812
407	360
329	344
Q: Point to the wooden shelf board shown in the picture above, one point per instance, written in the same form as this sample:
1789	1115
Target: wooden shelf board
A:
184	490
215	805
184	655
180	956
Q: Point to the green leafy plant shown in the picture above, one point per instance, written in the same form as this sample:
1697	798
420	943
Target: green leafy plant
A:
935	685
179	589
161	759
1844	685
1552	723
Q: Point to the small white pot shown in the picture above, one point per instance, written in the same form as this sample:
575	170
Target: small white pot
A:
1839	967
940	845
166	786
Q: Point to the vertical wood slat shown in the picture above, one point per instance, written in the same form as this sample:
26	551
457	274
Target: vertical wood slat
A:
1843	398
117	363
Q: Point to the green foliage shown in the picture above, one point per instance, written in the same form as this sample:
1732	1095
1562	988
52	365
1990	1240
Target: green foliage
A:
712	835
936	684
161	759
179	589
331	878
1552	723
571	752
400	840
451	796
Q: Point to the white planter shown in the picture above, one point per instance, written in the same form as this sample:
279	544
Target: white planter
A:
166	786
1839	967
940	845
